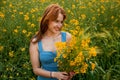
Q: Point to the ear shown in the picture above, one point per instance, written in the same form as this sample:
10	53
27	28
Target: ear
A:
34	40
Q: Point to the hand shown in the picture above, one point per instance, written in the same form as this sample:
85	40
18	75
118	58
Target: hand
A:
71	74
60	75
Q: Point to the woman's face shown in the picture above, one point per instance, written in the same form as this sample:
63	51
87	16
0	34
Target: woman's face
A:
56	25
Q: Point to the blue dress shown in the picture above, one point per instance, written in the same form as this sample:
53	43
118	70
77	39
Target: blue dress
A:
47	59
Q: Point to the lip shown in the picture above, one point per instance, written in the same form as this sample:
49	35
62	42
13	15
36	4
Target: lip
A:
57	29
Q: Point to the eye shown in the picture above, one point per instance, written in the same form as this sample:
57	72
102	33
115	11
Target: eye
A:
61	21
56	21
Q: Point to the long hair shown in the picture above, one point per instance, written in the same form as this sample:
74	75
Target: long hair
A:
50	14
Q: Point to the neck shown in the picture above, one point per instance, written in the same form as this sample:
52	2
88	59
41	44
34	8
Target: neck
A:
51	35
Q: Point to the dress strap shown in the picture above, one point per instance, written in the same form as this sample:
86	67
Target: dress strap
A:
63	36
40	49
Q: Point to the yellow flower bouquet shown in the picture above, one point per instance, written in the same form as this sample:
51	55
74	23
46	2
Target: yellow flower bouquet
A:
77	55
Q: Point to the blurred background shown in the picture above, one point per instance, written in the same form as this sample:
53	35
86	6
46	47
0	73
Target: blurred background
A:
19	21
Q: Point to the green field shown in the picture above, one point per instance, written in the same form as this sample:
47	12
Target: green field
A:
19	21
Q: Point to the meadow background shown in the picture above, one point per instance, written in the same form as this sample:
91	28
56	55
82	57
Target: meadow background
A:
19	21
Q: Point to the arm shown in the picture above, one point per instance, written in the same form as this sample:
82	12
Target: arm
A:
68	37
34	57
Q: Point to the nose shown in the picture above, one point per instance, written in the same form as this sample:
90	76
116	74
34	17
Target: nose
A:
59	25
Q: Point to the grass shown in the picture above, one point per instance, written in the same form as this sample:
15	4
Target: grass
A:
19	21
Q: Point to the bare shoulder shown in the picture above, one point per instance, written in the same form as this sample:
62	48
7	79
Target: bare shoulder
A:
33	44
68	36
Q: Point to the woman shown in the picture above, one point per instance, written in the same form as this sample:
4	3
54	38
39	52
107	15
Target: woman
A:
42	49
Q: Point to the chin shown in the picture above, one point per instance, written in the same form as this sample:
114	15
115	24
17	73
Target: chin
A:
56	31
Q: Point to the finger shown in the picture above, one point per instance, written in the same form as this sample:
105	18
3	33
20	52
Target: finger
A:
72	73
65	73
64	77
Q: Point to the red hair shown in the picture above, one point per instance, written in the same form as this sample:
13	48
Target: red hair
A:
50	14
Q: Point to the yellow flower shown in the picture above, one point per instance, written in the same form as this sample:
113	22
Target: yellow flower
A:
77	0
104	0
84	43
14	11
77	27
24	31
20	12
32	78
2	15
33	16
76	55
102	12
4	2
55	59
84	67
28	34
26	17
72	63
112	17
93	66
10	5
22	49
11	53
60	45
32	10
25	65
68	11
64	55
83	70
28	23
89	4
93	18
73	6
98	10
83	16
102	7
58	53
11	77
18	26
7	69
72	42
93	0
32	25
13	16
74	21
4	30
15	30
80	54
82	7
17	74
79	58
80	32
92	51
39	18
75	32
1	48
5	76
88	40
42	1
76	71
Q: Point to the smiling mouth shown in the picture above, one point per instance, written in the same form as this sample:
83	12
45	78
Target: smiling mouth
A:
57	29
